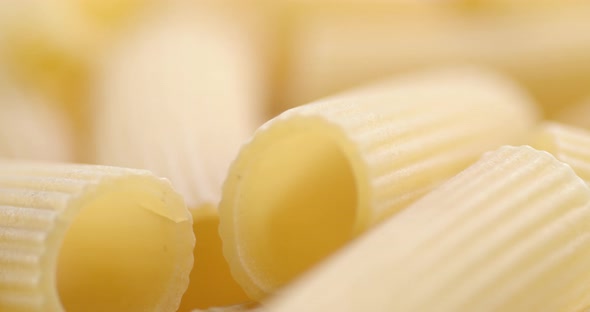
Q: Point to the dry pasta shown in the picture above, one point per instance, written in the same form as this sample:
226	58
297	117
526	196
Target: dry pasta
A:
576	115
178	97
510	233
317	175
331	47
569	144
235	308
31	129
45	47
91	238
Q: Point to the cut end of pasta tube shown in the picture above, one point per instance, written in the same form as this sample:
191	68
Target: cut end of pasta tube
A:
211	282
316	176
510	233
307	201
91	238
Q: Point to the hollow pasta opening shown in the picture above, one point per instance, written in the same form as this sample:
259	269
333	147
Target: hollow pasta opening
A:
211	282
127	249
296	204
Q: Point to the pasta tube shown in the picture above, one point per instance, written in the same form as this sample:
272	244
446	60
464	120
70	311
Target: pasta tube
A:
236	308
90	238
31	129
568	144
178	97
317	175
545	47
576	115
510	233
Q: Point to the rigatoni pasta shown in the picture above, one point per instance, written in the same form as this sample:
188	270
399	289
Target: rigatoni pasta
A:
575	115
30	128
178	97
91	238
235	308
569	144
317	175
510	233
329	46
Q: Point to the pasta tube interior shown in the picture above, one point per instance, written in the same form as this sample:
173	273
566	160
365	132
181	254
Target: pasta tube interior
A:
211	283
316	176
90	238
510	233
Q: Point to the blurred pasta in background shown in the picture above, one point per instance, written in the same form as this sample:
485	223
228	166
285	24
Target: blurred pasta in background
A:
179	88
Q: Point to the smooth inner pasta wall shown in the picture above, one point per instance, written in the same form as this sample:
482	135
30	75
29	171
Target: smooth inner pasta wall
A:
510	233
316	176
91	238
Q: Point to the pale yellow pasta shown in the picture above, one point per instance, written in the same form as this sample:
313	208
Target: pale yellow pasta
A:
576	115
568	144
91	238
235	308
510	233
31	129
178	96
328	48
317	175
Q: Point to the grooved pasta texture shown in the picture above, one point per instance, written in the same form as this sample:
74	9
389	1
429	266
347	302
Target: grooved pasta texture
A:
510	233
568	144
378	149
38	205
178	97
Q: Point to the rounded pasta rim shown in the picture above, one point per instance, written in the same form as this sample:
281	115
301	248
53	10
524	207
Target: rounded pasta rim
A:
283	127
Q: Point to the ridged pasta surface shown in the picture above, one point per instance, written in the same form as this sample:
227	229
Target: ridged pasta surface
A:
317	175
72	237
510	233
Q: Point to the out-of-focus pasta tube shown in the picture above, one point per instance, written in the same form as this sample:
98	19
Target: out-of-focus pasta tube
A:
317	175
50	46
178	97
576	115
568	144
91	238
31	129
510	233
236	308
329	47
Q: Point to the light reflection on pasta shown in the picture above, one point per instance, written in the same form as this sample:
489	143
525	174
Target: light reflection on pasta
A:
317	175
510	233
91	238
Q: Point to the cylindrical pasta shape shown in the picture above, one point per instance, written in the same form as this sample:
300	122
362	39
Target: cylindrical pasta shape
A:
178	97
576	115
568	144
235	308
510	233
31	129
91	238
330	47
317	175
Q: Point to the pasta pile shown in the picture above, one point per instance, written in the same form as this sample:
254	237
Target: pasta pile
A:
289	156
